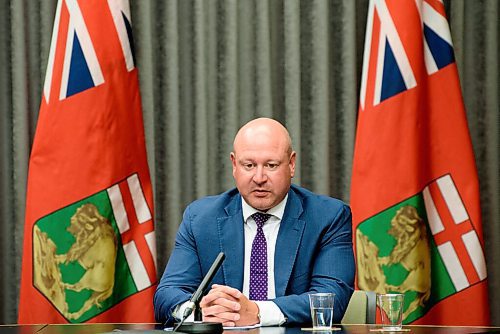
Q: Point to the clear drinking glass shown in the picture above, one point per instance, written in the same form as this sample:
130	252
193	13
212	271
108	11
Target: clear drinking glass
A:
391	310
321	310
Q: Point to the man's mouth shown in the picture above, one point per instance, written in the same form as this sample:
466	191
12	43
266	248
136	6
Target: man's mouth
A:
260	192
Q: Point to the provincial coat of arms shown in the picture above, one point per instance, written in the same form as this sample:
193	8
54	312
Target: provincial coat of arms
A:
92	254
420	247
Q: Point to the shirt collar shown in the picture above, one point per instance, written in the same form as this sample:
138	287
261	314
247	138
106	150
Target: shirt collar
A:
276	211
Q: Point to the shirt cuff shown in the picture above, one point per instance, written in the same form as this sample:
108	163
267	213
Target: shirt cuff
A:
179	312
270	314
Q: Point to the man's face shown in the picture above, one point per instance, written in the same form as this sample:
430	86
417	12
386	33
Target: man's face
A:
263	169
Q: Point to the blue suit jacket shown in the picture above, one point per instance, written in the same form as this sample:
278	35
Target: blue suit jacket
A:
313	253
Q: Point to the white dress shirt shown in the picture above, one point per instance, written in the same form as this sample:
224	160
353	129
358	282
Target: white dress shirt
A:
270	313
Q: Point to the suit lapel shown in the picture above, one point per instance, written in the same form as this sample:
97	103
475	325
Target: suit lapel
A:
230	229
287	243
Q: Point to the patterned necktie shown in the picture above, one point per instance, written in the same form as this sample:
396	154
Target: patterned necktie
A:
258	260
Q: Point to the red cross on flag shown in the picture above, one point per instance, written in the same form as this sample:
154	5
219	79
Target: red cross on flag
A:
455	237
136	228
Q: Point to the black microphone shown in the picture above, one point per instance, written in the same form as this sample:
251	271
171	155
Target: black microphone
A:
195	300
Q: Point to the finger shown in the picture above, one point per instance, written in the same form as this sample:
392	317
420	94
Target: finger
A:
224	322
229	304
227	289
209	299
221	293
226	316
221	313
218	297
215	310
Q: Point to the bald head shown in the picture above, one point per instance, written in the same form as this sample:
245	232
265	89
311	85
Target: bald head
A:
263	128
263	163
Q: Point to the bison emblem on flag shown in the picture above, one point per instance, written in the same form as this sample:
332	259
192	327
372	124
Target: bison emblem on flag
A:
80	250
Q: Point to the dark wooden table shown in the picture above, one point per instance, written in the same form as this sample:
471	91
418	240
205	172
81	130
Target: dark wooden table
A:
20	329
152	328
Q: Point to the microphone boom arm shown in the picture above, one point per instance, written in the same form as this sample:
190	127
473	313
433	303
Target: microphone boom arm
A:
195	299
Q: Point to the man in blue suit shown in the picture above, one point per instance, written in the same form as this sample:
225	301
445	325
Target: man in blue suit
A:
302	246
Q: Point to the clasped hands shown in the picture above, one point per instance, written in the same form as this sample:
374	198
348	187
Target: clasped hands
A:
229	306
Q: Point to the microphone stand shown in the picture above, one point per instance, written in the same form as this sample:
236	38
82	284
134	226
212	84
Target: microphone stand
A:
197	312
198	319
198	326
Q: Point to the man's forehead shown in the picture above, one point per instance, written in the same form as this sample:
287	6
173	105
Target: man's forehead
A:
261	155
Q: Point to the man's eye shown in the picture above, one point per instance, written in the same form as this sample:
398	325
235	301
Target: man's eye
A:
272	166
248	166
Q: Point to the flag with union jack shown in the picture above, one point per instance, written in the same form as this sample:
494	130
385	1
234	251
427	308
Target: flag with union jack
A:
89	238
414	191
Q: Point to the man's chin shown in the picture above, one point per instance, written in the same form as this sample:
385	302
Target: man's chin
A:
260	203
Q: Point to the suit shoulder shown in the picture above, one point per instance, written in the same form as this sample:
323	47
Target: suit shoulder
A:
213	203
313	200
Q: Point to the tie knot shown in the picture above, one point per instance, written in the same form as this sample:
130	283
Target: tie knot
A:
260	218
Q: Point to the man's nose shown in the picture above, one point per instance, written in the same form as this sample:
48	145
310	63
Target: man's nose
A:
260	175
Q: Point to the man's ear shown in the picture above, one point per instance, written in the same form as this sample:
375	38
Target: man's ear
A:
291	164
233	160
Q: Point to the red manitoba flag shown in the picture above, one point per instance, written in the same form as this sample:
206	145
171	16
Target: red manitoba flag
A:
414	191
89	242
